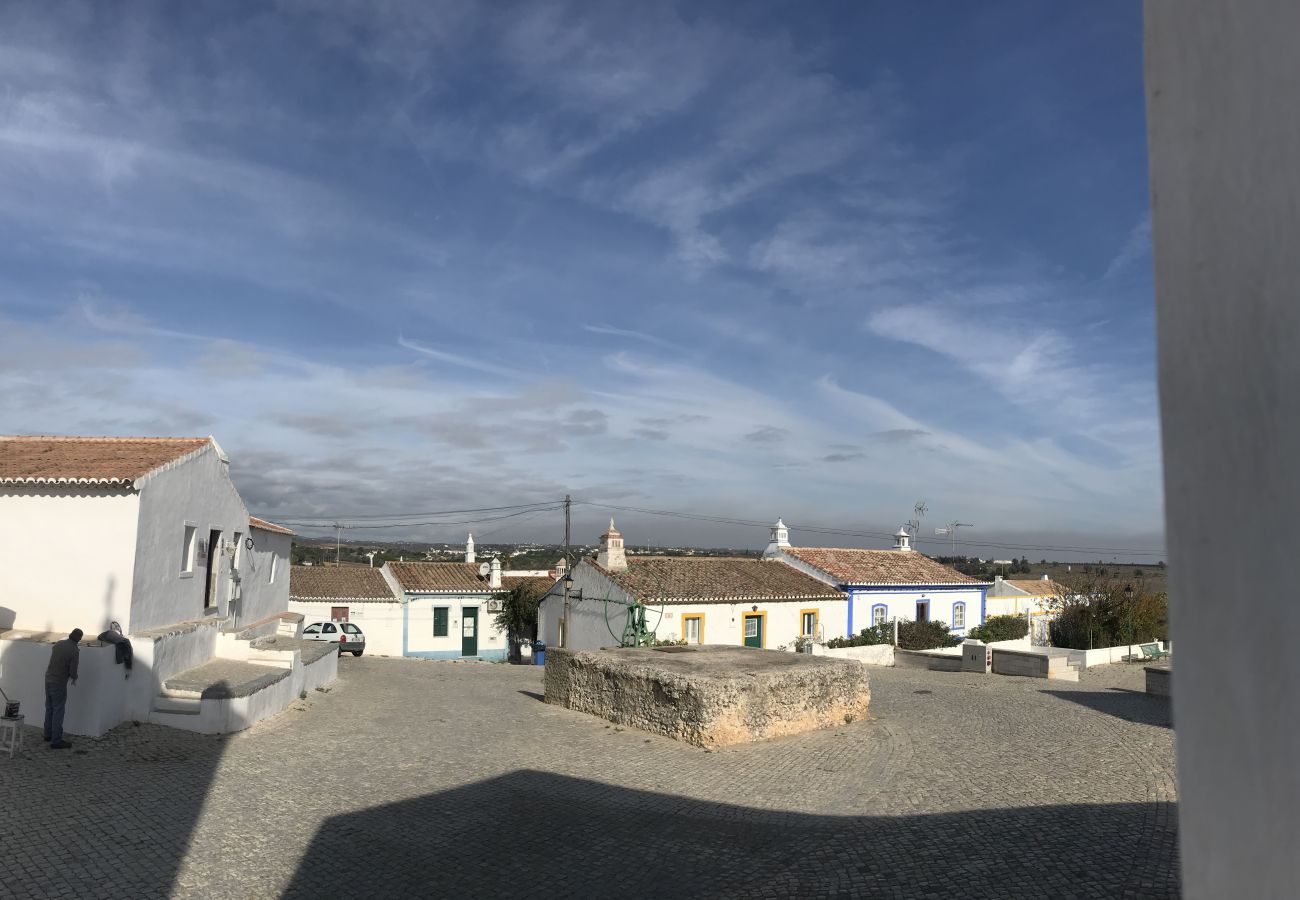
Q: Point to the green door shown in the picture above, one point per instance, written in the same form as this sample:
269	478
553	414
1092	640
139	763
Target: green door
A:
753	630
469	631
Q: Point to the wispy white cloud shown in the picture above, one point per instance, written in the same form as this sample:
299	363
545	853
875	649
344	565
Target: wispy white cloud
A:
628	333
1135	249
456	359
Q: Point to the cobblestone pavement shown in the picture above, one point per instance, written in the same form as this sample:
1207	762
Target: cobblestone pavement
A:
415	778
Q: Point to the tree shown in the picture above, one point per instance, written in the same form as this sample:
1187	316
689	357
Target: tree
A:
518	616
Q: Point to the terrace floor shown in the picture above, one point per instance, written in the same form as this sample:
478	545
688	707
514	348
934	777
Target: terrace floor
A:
419	778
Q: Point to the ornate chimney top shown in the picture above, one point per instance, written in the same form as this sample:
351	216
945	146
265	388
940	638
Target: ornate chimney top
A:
470	556
902	540
780	539
611	557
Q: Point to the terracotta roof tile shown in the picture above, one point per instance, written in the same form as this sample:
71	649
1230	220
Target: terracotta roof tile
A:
255	522
853	566
89	460
437	577
669	579
1037	587
331	583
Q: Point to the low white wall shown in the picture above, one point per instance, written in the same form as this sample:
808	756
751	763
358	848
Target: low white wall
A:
872	654
1104	655
161	654
96	702
318	674
927	659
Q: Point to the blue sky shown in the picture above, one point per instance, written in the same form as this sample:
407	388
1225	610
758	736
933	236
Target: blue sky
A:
809	260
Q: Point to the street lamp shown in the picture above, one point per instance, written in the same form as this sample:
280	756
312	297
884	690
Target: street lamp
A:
564	627
1128	601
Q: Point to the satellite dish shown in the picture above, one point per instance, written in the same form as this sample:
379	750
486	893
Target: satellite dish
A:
483	570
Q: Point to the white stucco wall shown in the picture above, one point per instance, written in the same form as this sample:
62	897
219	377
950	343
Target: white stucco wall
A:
66	557
380	622
197	491
96	703
900	603
420	639
587	627
264	576
603	609
724	623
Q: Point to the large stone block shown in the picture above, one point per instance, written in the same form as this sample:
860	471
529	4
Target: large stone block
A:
709	696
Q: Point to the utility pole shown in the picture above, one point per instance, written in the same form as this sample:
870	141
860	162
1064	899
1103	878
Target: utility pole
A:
338	543
568	573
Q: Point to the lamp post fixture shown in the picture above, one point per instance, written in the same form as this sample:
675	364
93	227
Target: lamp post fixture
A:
564	629
1128	600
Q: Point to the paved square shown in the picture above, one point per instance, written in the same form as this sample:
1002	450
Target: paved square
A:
416	778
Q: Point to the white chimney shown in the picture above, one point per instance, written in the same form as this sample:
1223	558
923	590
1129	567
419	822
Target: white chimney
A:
494	574
1045	578
902	540
561	567
611	557
780	539
470	556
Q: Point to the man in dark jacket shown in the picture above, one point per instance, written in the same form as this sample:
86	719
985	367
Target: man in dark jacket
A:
63	665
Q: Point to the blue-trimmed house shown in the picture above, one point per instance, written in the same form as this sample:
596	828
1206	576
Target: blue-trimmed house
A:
449	608
888	584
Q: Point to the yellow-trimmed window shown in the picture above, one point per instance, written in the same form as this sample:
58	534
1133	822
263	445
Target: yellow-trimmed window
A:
693	628
808	622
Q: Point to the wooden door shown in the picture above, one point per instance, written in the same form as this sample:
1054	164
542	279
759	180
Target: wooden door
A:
339	613
753	629
469	631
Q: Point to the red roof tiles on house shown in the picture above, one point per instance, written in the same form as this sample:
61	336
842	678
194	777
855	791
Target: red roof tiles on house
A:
867	567
439	577
718	579
89	460
255	522
331	583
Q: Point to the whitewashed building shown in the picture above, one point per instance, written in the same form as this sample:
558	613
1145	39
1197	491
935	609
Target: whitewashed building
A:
1019	596
887	584
702	600
449	608
356	594
150	534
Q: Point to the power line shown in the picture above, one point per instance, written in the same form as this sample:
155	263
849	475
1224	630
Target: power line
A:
849	532
304	518
379	525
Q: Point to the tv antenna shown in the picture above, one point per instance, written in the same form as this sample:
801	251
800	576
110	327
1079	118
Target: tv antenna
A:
914	525
952	531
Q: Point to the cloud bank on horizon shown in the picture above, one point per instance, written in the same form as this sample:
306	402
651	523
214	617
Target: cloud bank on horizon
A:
745	260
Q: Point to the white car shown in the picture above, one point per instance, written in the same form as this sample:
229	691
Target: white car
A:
345	634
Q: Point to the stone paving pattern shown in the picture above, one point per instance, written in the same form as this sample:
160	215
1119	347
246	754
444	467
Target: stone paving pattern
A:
443	779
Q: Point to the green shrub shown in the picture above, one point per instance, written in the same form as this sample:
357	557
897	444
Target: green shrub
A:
911	636
925	635
1000	628
1109	619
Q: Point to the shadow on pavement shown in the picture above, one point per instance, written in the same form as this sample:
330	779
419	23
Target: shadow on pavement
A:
534	694
539	834
114	817
1131	706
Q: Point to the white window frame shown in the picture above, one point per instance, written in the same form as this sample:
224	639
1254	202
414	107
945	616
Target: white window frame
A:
189	544
956	607
884	614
